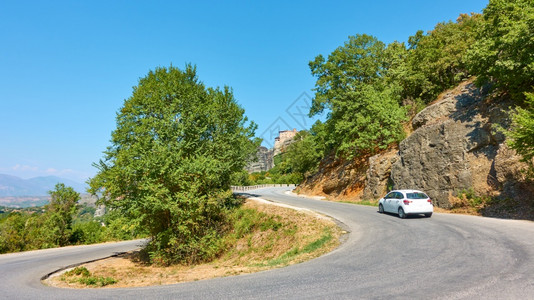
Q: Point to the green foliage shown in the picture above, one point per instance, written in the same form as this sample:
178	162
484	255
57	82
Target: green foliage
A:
304	154
241	178
63	205
30	229
119	227
502	53
88	232
467	200
85	213
79	271
372	120
436	61
365	114
173	153
359	62
363	84
12	233
521	135
83	276
61	223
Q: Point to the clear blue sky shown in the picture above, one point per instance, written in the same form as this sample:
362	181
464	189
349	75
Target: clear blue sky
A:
67	66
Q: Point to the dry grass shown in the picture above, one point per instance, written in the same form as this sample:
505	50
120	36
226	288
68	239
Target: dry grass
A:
298	236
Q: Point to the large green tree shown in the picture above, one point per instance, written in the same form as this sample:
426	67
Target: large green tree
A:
175	147
364	111
357	63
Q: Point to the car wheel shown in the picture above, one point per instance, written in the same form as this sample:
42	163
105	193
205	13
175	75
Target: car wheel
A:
402	215
428	215
381	208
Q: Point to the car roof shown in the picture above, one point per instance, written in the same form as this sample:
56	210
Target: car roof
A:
408	191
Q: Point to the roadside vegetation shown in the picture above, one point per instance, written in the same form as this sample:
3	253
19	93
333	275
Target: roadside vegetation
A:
264	236
60	223
299	160
369	89
80	275
470	203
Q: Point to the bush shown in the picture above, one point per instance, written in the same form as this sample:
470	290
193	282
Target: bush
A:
468	201
89	232
83	276
521	133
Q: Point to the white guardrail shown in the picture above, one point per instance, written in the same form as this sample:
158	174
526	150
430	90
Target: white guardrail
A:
237	189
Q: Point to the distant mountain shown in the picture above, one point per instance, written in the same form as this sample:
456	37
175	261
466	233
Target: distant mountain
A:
12	186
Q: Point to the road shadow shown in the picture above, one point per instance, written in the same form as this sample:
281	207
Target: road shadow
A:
417	216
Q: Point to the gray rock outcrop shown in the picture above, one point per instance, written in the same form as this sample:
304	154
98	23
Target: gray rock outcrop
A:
263	162
454	147
378	174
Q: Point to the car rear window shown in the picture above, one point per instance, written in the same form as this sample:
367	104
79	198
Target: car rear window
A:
416	196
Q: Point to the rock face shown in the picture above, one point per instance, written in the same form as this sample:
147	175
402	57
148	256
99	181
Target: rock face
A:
454	146
378	174
339	178
264	161
510	177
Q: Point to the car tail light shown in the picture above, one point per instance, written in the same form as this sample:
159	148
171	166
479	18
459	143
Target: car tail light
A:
407	202
429	200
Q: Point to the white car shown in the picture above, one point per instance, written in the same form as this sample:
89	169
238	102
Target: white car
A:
406	202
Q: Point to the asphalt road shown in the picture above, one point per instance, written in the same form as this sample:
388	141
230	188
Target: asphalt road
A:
383	257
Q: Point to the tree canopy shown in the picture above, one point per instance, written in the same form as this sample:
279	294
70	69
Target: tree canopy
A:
369	89
522	133
503	51
364	109
61	209
175	147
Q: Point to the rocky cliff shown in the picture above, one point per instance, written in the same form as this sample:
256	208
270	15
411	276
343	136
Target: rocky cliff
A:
263	161
337	178
454	146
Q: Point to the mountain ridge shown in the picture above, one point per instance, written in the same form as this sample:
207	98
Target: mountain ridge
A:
13	186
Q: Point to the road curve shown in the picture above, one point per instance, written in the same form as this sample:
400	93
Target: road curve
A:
443	257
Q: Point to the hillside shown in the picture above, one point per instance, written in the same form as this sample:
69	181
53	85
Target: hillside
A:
453	148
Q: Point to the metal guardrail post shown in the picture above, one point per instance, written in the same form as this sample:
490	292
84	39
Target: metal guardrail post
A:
247	188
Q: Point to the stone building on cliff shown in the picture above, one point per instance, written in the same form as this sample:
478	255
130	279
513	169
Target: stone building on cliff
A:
284	139
265	157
